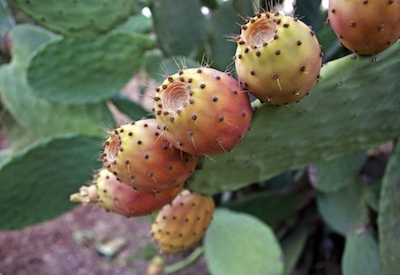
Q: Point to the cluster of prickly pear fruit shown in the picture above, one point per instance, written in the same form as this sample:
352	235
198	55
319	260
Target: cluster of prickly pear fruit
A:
366	27
278	58
182	223
202	111
120	198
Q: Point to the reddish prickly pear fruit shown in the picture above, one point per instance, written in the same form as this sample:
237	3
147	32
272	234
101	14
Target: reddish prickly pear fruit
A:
140	156
278	58
120	198
365	27
202	111
182	223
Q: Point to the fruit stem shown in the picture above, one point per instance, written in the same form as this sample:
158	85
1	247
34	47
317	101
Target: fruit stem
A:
186	262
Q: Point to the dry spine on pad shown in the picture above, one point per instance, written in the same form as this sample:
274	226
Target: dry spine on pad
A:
202	111
139	156
114	196
278	58
183	223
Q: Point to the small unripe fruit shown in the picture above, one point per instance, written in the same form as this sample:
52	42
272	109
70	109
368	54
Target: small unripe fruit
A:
120	198
140	156
182	223
202	111
365	27
278	58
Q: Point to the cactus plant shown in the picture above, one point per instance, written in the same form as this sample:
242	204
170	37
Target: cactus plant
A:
299	186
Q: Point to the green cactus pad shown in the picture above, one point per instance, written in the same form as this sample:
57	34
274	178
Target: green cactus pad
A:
6	19
40	116
343	210
271	208
157	66
232	235
135	24
129	108
17	136
348	111
223	24
389	216
293	245
77	17
361	254
179	25
330	176
37	181
86	70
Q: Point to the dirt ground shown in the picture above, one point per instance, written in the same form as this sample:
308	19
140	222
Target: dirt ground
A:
52	249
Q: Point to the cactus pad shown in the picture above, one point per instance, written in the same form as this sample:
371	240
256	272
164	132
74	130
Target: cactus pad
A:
77	17
23	104
107	62
33	190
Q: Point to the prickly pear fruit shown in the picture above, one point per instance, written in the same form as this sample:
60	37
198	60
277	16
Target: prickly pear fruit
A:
120	198
140	156
202	111
365	27
278	58
182	223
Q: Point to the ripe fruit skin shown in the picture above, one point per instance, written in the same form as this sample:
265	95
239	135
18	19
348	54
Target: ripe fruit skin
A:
120	198
140	157
278	58
365	27
202	111
182	223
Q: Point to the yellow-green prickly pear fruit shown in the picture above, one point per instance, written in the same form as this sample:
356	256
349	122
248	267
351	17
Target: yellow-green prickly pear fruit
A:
278	58
182	223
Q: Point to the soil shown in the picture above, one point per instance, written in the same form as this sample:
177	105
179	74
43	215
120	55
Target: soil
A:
53	248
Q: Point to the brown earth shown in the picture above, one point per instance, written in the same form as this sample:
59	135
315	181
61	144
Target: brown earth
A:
51	249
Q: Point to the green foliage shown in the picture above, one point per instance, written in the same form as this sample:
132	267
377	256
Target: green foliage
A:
38	115
343	210
241	244
361	254
77	17
271	208
309	12
280	136
33	189
128	107
6	19
332	175
103	76
389	216
222	25
182	18
293	245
